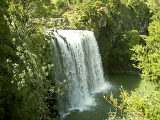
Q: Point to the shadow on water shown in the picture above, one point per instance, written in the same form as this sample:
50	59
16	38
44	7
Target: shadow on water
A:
99	112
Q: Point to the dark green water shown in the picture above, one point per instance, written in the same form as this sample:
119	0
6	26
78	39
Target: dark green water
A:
99	112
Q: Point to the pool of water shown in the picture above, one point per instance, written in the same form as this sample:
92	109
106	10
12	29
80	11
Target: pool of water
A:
99	112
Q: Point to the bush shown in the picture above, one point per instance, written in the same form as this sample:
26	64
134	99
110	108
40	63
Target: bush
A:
143	103
86	15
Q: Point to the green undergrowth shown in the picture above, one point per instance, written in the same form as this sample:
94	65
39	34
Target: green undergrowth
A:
141	104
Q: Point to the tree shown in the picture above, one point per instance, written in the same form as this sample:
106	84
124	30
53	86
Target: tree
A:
7	90
25	77
148	55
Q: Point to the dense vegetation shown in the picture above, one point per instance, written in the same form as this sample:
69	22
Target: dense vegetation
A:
143	103
26	86
128	32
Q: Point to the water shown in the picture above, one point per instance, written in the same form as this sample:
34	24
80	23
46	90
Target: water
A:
77	59
99	112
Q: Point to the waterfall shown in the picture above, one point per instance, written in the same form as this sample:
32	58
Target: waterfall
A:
77	60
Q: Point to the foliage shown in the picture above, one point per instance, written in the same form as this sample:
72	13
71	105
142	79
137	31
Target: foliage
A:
65	3
148	55
31	72
139	20
112	18
120	54
42	9
121	16
26	78
86	15
142	103
7	91
112	9
154	8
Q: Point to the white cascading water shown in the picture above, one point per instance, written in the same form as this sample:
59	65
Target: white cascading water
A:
77	59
